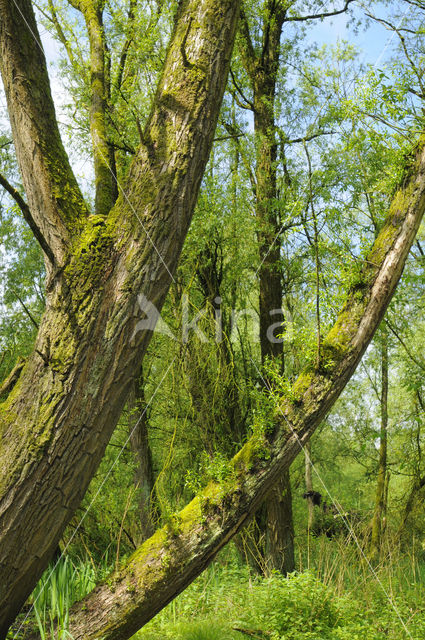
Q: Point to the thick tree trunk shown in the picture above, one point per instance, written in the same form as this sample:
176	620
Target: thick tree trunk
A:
59	417
166	563
376	535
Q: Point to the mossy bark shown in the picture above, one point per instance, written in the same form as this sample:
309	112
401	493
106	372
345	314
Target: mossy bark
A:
55	424
13	377
166	563
53	195
104	161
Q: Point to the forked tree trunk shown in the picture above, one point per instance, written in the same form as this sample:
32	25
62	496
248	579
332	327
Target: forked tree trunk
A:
58	419
166	563
56	422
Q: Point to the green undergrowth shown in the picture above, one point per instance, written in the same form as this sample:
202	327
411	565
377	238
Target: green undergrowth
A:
334	596
230	604
47	609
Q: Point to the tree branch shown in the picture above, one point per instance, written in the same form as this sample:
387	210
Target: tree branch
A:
54	197
319	16
13	377
234	133
124	53
420	364
104	163
26	310
397	30
308	138
38	235
54	20
249	56
416	3
247	104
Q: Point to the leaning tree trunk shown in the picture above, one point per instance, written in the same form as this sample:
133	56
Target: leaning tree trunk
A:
55	424
166	563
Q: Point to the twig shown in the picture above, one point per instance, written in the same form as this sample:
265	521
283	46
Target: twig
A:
28	217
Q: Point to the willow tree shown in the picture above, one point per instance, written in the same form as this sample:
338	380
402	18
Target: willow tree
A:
56	422
59	415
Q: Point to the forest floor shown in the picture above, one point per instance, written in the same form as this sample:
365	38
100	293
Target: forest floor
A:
334	595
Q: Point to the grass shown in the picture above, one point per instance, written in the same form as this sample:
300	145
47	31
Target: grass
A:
334	596
48	607
60	586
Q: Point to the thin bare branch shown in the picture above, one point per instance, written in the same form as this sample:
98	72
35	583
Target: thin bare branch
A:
247	104
395	333
14	193
319	16
402	39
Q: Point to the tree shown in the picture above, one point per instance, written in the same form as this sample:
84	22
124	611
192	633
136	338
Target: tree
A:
380	501
58	418
275	519
80	372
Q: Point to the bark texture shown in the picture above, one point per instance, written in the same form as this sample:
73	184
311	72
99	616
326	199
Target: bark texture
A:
13	377
104	161
54	197
55	424
280	526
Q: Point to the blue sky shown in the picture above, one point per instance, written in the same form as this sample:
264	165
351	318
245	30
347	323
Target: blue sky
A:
375	42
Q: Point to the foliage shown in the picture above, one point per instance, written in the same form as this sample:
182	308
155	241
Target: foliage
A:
226	599
61	585
343	135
